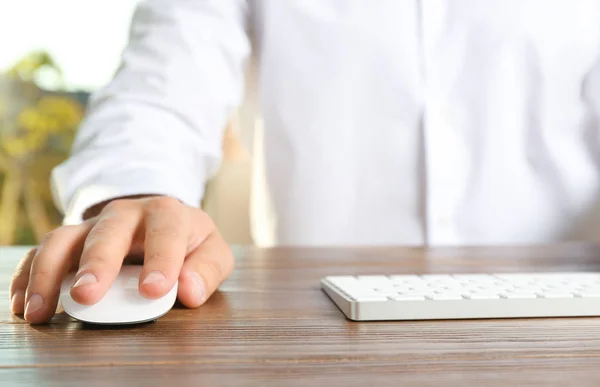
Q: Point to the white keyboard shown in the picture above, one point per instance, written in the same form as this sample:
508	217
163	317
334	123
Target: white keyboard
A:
467	296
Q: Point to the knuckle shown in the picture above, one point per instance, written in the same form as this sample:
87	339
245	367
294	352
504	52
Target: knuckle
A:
205	223
163	232
57	234
118	205
207	220
163	203
50	236
103	227
67	229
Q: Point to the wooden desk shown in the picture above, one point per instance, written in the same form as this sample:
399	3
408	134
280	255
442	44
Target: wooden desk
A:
272	325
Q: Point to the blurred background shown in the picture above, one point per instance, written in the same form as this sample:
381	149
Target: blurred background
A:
52	56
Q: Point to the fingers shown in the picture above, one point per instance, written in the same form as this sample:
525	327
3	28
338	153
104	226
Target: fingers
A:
167	227
106	245
49	265
19	282
204	270
178	243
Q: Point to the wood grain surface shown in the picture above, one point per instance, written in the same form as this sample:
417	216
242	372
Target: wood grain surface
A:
271	325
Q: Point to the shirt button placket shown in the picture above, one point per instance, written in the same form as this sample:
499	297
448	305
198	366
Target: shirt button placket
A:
442	158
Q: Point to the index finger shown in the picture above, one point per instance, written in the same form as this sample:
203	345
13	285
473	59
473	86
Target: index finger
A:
106	245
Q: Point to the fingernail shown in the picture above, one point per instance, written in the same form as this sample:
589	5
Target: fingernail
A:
200	288
36	302
154	277
86	279
17	299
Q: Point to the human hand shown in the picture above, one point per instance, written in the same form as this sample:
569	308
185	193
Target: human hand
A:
174	241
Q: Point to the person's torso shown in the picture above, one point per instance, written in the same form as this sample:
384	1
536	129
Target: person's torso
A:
430	122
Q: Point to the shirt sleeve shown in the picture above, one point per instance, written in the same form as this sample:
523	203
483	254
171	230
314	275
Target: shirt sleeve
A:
157	127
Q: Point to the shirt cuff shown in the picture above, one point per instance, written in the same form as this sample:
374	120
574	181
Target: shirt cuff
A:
100	190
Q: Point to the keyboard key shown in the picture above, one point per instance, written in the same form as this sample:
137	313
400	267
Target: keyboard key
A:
451	285
525	290
374	280
555	295
417	293
481	296
443	297
419	287
472	287
591	289
588	295
383	286
518	295
485	291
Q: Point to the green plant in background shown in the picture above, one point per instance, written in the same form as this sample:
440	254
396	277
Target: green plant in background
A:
36	131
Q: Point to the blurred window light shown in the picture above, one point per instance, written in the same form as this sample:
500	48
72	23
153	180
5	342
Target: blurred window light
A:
85	37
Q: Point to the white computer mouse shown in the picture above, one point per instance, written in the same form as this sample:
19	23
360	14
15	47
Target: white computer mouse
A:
122	304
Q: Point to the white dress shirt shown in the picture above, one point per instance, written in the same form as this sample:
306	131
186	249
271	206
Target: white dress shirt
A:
386	122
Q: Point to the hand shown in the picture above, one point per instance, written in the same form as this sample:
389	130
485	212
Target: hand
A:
174	241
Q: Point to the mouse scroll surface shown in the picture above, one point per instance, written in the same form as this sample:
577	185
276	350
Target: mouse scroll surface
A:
122	304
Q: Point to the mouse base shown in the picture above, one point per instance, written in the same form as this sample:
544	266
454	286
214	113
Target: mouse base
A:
116	324
104	324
